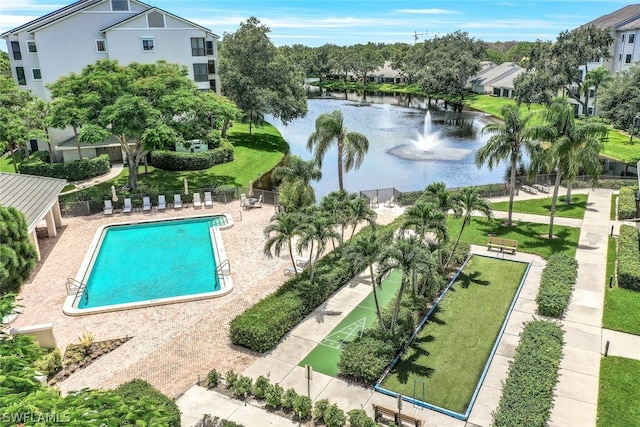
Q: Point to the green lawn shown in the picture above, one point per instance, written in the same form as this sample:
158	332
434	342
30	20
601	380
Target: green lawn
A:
255	155
543	206
621	306
492	104
531	237
451	350
6	163
619	392
619	148
614	207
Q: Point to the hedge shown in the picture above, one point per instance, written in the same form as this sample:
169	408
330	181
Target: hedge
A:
556	284
75	170
611	184
527	394
629	258
137	390
488	190
627	208
178	161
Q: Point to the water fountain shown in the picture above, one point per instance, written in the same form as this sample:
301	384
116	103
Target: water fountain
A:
429	146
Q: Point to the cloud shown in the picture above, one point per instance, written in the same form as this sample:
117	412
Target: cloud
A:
29	6
428	11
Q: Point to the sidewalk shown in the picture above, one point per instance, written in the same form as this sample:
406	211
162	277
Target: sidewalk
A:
116	169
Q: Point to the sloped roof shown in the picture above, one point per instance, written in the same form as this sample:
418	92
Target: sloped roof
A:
633	25
618	18
497	73
31	195
157	9
53	16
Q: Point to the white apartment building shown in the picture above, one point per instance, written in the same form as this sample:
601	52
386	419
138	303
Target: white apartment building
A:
68	39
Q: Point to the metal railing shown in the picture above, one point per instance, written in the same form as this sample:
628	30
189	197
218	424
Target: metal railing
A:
224	269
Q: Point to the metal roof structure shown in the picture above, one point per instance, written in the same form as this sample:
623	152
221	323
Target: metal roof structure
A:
32	195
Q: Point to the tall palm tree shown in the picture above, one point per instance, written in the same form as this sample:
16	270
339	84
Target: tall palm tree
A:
315	233
366	251
571	146
596	78
442	198
336	206
508	142
359	210
426	218
281	231
295	192
409	255
468	201
352	146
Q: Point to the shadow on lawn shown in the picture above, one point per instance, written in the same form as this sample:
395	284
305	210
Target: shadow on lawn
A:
412	365
528	235
467	280
263	142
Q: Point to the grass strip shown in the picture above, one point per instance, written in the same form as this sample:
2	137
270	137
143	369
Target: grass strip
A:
527	394
619	392
451	350
614	207
621	306
542	206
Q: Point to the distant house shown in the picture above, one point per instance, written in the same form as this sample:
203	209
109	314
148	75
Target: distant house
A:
74	36
384	74
495	80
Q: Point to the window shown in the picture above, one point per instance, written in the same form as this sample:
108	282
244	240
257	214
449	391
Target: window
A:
197	46
209	48
22	80
36	73
31	46
148	45
15	48
155	20
592	93
212	66
119	4
200	73
101	46
627	59
212	85
496	91
632	38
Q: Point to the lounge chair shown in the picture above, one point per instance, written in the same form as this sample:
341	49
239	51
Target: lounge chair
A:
108	207
177	201
258	204
146	204
390	203
162	202
197	203
243	201
374	202
127	206
208	201
289	271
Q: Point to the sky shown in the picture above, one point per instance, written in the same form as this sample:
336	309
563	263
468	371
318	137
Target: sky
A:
347	22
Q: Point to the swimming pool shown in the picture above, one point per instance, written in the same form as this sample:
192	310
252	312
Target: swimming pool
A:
147	263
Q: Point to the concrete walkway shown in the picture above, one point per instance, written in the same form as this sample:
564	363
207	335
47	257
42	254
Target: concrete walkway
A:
116	169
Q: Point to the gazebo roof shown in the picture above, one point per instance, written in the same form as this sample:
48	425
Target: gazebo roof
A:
31	195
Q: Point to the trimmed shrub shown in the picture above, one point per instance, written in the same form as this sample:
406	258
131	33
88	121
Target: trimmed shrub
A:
556	284
260	387
213	378
627	208
178	161
334	416
603	182
359	418
141	391
320	408
231	377
76	170
302	406
273	395
629	258
209	421
50	363
242	387
364	359
527	394
288	398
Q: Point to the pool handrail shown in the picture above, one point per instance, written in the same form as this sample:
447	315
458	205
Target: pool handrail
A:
75	287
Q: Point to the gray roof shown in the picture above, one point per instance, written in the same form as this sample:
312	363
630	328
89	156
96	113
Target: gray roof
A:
618	18
31	195
504	72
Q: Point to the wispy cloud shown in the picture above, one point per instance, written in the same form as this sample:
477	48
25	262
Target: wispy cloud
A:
28	6
428	11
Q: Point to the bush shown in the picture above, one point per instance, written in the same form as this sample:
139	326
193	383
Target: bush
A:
556	284
527	394
209	421
213	378
627	208
273	395
603	182
50	363
359	418
242	387
231	377
75	170
334	416
18	258
178	161
260	387
364	359
629	258
288	398
302	407
141	391
320	408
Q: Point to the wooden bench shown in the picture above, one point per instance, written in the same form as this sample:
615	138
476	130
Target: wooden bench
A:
397	417
502	244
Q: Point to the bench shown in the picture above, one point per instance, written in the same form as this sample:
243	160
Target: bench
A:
397	417
541	187
529	190
502	244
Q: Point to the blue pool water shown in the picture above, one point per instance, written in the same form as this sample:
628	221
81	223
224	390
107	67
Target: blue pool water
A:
149	261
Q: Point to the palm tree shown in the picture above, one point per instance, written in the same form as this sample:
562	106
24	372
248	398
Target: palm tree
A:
315	232
442	198
359	210
336	206
295	192
572	146
281	231
366	251
295	168
411	257
508	142
596	78
468	201
425	217
352	146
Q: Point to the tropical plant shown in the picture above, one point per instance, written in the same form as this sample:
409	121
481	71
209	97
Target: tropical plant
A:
508	142
280	232
336	206
468	201
358	211
295	192
352	146
17	254
596	78
426	218
315	233
86	341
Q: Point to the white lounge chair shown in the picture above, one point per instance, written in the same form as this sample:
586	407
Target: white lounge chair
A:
177	201
258	204
108	207
208	201
127	206
243	201
197	203
162	202
390	203
146	204
289	271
